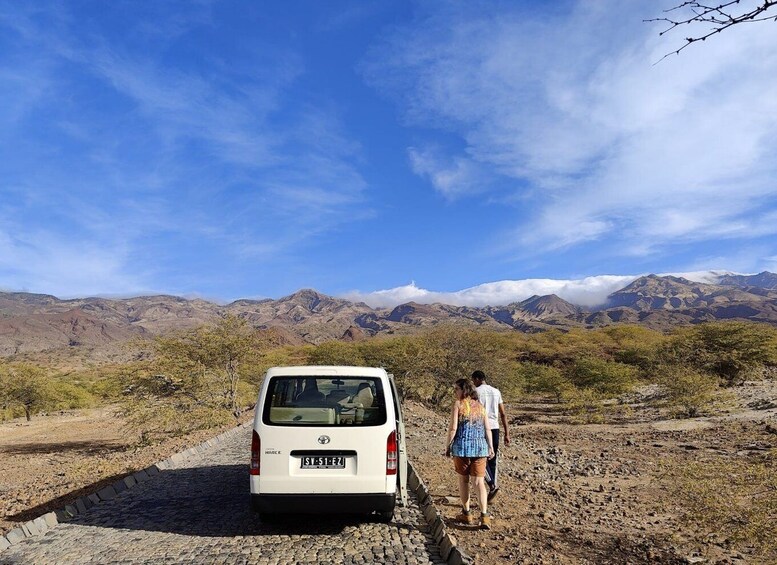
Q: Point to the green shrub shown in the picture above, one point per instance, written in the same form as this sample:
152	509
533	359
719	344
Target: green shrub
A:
154	421
635	345
603	377
733	351
425	365
688	391
544	379
210	374
66	395
559	348
335	353
108	388
26	387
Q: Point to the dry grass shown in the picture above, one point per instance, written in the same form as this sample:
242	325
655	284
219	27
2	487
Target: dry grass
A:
735	499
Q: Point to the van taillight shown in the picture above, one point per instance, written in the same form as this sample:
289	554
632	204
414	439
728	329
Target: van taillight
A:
391	454
256	446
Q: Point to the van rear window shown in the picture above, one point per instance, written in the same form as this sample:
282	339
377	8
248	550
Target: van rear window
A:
325	401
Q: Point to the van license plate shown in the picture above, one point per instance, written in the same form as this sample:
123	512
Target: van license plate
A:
324	462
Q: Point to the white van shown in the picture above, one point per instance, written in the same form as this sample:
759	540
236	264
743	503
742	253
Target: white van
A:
328	439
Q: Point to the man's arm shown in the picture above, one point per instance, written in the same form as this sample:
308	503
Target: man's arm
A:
503	419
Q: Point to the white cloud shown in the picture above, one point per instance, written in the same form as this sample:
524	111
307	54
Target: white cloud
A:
159	159
706	277
587	292
42	262
300	176
452	178
614	149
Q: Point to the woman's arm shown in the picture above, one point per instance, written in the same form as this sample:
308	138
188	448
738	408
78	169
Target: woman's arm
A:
452	425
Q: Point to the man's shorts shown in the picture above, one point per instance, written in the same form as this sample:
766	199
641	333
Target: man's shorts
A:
470	466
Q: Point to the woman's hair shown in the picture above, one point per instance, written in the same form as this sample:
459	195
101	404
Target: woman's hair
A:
467	389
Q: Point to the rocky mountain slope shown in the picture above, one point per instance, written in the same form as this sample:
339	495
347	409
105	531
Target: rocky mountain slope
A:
35	322
761	280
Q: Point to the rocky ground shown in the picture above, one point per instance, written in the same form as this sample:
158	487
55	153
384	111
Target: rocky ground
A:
599	493
570	493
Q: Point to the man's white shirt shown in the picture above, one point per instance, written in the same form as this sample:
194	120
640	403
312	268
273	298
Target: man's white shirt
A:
491	398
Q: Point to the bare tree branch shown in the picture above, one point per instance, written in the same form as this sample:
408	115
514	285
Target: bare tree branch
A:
720	16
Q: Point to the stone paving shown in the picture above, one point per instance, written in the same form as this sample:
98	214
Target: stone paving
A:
198	512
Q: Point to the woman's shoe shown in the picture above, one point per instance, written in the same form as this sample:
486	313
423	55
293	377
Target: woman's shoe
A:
485	521
466	518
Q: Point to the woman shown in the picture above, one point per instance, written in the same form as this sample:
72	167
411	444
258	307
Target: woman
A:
469	442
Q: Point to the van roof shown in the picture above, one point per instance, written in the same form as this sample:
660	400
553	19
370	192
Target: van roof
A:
325	370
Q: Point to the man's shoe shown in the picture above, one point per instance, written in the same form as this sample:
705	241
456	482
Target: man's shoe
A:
485	521
492	493
465	518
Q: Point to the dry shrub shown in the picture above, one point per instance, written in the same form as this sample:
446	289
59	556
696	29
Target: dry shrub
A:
584	405
155	421
736	499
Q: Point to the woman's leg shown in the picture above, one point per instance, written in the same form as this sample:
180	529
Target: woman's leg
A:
464	491
482	494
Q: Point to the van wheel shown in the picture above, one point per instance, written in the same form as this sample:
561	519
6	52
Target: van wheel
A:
384	517
267	518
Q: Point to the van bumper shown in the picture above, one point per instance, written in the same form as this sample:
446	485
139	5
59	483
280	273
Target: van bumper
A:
322	503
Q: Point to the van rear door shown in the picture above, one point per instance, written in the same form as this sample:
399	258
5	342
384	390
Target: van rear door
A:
403	469
326	434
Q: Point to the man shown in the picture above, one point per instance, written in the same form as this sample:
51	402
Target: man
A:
491	398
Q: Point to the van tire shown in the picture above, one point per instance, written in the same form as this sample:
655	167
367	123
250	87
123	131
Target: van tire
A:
384	517
267	518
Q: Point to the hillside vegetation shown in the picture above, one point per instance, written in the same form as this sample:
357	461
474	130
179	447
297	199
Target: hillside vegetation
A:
214	371
212	374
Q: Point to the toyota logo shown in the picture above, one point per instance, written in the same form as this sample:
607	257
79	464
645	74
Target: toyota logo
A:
323	440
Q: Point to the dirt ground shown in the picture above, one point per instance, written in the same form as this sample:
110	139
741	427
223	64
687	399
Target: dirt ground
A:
54	459
597	493
569	493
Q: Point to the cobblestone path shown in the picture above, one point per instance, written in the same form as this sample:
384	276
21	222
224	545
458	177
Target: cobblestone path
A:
198	512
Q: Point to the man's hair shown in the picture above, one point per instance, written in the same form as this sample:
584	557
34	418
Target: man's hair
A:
479	375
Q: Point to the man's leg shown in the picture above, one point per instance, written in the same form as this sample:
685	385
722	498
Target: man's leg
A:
491	463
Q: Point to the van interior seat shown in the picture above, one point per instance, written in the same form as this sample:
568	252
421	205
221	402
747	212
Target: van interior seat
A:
336	395
364	397
304	415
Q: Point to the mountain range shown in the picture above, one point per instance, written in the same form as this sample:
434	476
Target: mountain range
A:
99	327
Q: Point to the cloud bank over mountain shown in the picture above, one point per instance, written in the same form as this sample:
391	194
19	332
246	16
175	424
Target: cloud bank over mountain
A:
588	292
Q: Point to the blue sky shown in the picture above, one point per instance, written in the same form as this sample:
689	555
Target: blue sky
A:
377	150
